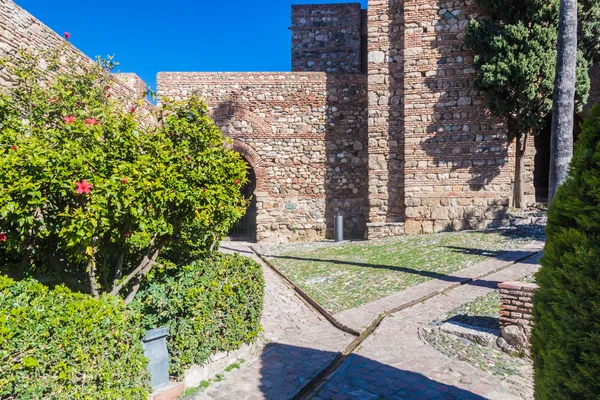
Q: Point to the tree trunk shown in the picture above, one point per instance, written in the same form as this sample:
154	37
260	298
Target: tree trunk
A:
519	191
563	107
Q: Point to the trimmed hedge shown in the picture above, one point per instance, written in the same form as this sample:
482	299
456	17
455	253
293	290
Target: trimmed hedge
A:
209	306
566	335
63	345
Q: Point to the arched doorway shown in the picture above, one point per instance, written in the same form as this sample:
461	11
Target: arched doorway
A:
245	228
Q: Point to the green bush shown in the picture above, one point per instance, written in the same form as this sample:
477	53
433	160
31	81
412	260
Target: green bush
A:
211	305
89	195
63	345
566	336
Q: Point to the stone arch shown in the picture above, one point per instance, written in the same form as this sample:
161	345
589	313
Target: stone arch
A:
255	161
229	110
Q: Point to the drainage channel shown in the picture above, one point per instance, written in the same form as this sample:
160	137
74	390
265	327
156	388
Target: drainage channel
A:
305	296
339	360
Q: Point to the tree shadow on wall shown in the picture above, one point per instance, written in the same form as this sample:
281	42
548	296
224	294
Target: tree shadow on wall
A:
285	368
467	149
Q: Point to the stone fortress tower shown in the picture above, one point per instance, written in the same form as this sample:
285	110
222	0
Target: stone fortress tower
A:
378	121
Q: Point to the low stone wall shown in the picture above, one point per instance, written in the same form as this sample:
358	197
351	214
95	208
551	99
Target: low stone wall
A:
516	312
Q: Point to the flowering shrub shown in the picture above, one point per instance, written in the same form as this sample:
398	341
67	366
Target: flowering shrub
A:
91	197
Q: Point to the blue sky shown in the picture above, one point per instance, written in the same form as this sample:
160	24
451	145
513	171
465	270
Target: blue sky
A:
149	36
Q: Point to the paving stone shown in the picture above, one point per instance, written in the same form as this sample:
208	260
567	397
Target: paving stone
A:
424	372
393	363
300	343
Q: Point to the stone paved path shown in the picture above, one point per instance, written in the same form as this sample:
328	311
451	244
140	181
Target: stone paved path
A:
361	317
395	363
300	343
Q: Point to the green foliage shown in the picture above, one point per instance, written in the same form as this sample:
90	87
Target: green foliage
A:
88	194
516	58
566	336
589	29
231	367
211	305
64	345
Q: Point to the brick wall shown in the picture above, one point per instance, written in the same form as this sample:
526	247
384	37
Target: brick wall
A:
19	29
326	38
458	168
516	306
437	159
305	136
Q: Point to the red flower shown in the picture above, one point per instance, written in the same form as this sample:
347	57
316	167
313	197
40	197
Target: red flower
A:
92	121
15	148
127	234
124	181
83	187
132	110
237	181
108	95
107	88
2	237
67	35
69	119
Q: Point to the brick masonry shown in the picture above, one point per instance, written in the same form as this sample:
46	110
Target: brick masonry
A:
19	29
516	304
327	38
378	121
305	136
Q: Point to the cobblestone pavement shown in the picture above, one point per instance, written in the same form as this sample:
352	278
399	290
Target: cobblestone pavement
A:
300	343
395	363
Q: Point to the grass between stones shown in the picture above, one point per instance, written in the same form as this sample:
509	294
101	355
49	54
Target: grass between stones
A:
484	311
344	276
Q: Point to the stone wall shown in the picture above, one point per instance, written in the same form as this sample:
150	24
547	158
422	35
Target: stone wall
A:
458	168
381	121
437	159
386	117
19	29
516	311
326	38
305	136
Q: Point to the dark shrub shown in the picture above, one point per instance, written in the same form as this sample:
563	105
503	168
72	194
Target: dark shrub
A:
210	305
58	344
566	335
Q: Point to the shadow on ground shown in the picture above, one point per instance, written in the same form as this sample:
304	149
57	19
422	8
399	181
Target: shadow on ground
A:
512	256
284	371
501	255
476	321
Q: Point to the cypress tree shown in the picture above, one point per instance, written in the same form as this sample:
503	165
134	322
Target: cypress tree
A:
515	46
566	335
